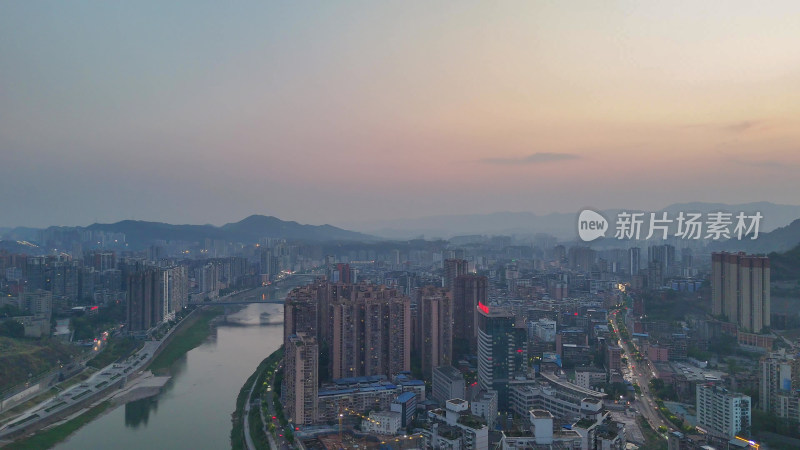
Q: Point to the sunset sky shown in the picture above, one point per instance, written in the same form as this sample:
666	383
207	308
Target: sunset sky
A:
341	112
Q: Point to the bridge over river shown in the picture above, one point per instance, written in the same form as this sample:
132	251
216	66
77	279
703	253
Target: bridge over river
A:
263	294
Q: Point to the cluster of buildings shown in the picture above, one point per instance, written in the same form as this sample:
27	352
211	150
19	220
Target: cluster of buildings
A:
351	350
740	305
447	341
154	283
526	336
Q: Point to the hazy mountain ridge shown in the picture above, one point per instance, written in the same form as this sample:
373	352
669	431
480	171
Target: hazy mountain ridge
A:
561	225
779	240
250	229
786	265
779	231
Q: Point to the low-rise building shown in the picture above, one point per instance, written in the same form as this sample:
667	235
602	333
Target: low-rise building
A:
409	384
567	404
586	377
544	330
455	428
448	382
602	433
34	326
406	405
383	422
755	342
485	405
657	354
356	397
541	435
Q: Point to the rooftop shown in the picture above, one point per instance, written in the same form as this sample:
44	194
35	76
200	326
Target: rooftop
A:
584	423
541	413
360	380
471	421
450	372
404	397
334	390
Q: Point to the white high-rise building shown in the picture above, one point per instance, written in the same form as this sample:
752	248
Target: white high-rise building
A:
721	412
779	380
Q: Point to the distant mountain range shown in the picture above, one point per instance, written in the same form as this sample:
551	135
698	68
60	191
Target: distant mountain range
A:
779	230
561	225
250	229
786	265
779	240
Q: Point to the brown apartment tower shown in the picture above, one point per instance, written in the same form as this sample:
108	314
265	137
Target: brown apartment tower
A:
434	333
740	289
452	269
370	332
300	385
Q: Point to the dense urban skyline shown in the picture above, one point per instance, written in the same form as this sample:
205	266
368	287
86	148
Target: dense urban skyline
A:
198	113
396	225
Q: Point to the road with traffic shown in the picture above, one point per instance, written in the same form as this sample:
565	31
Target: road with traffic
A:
640	373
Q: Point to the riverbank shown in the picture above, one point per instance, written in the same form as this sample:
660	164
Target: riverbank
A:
187	336
194	408
246	421
191	335
52	436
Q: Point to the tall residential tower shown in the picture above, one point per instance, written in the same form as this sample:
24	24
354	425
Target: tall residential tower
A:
740	289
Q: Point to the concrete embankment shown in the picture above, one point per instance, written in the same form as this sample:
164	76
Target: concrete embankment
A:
146	385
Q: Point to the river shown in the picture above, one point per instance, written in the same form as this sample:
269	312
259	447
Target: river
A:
194	409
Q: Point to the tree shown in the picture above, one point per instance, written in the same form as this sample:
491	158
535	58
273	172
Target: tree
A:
12	328
10	311
733	366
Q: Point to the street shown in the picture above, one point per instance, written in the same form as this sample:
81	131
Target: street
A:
641	373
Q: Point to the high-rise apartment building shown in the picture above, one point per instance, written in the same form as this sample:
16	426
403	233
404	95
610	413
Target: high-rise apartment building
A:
434	335
37	302
342	274
779	384
721	412
145	307
468	293
740	289
452	269
502	351
174	290
582	258
65	279
634	260
613	359
664	256
101	260
370	332
300	380
300	312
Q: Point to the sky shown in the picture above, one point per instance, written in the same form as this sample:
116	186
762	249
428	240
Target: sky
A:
350	112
